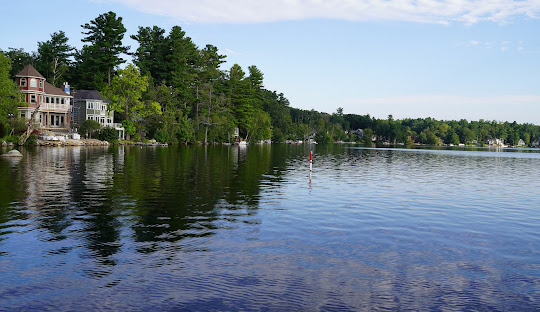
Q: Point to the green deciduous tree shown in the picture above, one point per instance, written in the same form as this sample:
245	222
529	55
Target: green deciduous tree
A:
10	98
125	93
108	134
259	126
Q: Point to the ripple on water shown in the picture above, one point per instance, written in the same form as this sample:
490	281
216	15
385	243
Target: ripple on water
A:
373	230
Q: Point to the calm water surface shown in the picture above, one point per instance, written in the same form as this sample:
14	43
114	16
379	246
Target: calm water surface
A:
245	229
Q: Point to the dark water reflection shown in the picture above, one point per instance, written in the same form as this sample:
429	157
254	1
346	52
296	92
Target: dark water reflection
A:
229	229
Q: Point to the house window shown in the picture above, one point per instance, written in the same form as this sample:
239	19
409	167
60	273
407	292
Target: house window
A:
23	82
33	83
23	115
62	101
57	101
40	83
33	98
46	99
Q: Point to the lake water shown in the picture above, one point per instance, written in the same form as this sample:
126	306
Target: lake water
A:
228	228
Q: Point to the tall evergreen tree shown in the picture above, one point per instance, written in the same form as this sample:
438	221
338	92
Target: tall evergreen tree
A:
105	35
256	80
86	73
19	59
151	55
183	59
239	90
53	57
208	73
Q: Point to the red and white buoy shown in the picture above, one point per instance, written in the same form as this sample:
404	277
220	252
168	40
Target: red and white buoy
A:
310	161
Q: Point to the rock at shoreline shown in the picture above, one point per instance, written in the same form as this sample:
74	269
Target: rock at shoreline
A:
12	153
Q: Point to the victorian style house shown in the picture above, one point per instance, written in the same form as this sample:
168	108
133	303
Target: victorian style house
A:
54	103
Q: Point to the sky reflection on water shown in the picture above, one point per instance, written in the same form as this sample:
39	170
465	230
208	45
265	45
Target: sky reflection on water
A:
222	228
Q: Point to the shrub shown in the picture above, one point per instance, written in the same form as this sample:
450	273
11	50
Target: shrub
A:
108	134
88	127
12	138
161	136
32	139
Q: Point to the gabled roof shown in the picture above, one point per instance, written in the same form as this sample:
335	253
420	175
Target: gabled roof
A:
29	71
52	90
88	95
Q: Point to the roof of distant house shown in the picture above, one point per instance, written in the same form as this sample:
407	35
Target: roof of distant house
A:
50	89
88	95
29	71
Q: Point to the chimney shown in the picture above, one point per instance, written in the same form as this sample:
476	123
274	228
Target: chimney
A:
65	87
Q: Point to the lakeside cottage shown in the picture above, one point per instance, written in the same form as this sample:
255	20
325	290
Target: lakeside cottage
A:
90	105
54	103
495	142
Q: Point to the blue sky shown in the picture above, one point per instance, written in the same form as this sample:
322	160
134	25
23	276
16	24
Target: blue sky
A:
447	59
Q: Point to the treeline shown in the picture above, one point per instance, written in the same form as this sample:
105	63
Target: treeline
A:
436	132
177	92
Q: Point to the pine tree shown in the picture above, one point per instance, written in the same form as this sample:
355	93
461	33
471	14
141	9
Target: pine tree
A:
19	59
53	58
105	35
151	55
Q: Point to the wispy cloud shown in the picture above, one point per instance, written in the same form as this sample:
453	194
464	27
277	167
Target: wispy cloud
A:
503	46
230	52
425	11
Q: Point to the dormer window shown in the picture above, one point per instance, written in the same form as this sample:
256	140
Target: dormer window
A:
23	82
33	83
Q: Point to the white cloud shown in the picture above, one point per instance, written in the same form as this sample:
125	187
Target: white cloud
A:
426	11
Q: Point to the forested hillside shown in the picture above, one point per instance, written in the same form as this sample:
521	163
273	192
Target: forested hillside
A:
177	92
